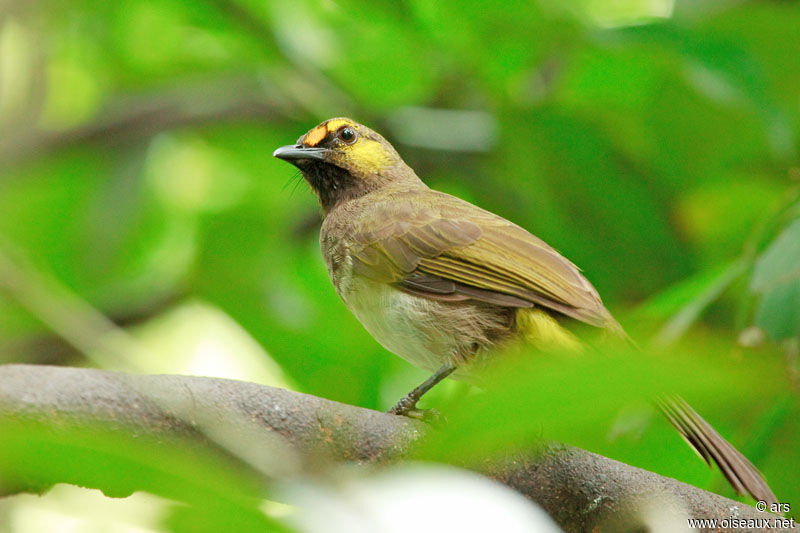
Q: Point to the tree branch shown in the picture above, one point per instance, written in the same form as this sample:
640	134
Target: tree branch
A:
129	119
582	491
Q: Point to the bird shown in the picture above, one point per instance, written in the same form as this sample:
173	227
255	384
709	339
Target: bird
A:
443	283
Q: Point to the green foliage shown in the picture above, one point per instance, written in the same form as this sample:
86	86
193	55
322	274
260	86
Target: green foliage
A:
652	143
619	420
218	493
777	277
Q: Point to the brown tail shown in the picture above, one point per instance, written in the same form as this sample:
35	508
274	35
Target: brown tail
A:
742	475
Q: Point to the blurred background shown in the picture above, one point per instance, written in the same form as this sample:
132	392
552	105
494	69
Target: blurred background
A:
144	225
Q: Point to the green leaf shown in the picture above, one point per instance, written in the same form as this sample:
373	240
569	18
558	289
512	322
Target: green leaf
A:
602	404
119	461
780	262
777	277
779	311
693	295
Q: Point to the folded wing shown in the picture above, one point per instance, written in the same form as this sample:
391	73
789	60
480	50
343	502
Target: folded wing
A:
457	251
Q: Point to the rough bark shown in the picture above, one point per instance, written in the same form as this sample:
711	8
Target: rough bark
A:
582	491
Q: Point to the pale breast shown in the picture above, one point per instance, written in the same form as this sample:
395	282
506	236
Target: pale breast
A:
406	325
395	319
424	332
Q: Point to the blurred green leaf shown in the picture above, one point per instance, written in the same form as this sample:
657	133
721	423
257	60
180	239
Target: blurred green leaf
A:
687	300
600	403
780	262
118	463
777	278
779	311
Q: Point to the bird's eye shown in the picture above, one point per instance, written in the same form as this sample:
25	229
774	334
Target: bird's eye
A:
347	134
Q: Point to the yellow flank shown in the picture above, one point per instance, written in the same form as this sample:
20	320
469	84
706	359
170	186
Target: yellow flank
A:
542	331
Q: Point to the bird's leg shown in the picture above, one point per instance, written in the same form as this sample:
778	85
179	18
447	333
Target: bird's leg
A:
408	404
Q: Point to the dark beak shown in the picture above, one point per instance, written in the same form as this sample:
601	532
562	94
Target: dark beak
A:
295	152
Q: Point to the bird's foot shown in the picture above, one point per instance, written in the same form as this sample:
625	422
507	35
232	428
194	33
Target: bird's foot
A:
409	409
405	406
408	405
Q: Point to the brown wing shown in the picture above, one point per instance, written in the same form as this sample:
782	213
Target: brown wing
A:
440	247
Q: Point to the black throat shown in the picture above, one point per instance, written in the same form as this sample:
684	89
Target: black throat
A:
332	184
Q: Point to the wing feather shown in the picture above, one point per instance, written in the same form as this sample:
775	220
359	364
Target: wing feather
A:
417	238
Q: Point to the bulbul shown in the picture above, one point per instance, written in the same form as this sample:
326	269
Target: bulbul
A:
442	283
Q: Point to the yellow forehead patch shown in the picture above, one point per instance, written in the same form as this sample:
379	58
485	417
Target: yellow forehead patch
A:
315	136
335	124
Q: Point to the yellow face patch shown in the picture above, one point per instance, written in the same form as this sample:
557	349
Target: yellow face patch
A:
371	156
315	136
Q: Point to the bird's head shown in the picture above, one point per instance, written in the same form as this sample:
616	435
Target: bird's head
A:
342	159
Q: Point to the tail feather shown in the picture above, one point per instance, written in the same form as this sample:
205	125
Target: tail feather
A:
711	446
541	329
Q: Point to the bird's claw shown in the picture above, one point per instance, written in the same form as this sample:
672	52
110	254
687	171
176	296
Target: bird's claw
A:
429	416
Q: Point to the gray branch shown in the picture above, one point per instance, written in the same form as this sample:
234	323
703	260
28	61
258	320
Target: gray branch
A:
582	491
